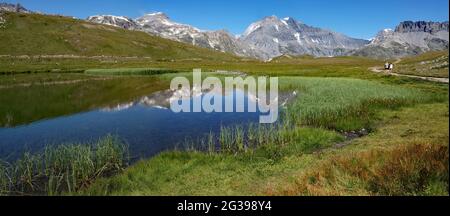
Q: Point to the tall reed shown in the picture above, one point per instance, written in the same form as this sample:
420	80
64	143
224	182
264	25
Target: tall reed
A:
63	168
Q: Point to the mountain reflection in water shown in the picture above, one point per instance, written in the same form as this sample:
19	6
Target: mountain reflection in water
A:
147	125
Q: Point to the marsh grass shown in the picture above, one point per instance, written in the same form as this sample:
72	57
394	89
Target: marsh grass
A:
254	139
347	104
339	104
63	168
387	162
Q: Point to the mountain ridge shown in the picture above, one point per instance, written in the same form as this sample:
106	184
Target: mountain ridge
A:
408	38
159	24
271	37
221	40
276	37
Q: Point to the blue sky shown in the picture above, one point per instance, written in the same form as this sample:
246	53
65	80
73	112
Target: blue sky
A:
356	18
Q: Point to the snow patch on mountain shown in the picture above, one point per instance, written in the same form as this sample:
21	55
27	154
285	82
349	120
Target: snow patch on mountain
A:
118	21
253	27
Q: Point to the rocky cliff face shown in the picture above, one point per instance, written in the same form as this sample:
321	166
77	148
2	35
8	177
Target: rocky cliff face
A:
160	24
409	38
421	26
119	21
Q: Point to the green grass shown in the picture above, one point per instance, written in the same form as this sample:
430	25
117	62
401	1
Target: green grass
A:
406	155
290	170
63	168
329	67
346	104
268	161
340	104
247	138
129	71
182	173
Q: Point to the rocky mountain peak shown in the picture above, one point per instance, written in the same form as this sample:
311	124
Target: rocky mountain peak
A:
274	37
382	35
154	16
421	26
271	37
118	21
270	18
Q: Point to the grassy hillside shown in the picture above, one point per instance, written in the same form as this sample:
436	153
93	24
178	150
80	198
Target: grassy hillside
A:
34	34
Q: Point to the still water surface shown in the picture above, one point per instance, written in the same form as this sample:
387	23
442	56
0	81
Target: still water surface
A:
146	125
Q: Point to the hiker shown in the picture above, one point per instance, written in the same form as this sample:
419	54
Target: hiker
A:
391	67
386	66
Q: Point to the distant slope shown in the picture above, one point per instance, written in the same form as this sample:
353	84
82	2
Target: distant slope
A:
433	64
34	34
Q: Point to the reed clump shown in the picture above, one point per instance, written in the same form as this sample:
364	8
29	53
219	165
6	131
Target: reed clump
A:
62	168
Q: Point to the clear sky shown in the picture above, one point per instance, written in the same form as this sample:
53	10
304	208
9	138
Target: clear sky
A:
356	18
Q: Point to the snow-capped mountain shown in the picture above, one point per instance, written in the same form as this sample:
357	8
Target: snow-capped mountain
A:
160	24
119	21
408	38
274	37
